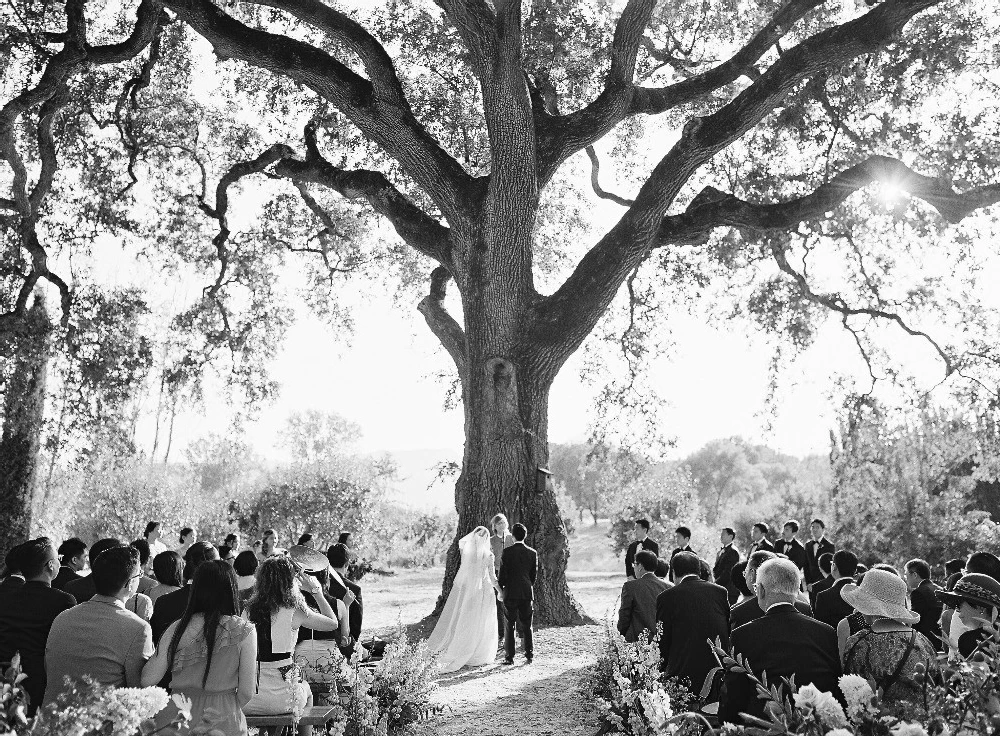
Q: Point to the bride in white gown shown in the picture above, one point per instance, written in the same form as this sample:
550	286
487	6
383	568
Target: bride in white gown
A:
466	633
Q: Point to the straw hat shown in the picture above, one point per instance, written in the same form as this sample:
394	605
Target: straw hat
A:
880	594
975	588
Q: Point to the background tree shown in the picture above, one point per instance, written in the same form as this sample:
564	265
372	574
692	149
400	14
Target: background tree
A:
312	436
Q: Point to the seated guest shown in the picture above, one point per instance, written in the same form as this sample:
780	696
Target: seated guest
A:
349	592
789	546
318	652
306	540
889	652
682	538
760	534
277	610
146	583
210	653
826	569
83	588
924	601
783	643
171	606
637	615
227	555
99	639
740	582
727	556
27	613
662	568
976	598
12	576
691	613
750	609
168	569
245	567
830	607
73	556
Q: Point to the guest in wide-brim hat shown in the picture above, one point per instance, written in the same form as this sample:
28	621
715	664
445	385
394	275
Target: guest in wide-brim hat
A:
880	595
977	600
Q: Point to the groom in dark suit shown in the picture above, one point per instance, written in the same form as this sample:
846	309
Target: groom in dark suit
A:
518	570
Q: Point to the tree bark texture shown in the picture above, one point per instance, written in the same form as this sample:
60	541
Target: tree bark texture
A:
22	427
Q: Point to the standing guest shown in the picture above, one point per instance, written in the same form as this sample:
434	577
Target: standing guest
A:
830	605
171	606
641	541
500	540
682	538
227	555
783	643
245	566
73	555
99	639
816	547
726	558
210	653
188	536
740	582
760	534
27	613
13	577
826	569
976	598
277	610
168	569
306	540
692	613
750	609
269	545
789	546
152	537
83	588
232	541
146	582
889	652
637	615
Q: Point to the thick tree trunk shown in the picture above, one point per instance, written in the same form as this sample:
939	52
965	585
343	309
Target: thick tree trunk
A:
24	407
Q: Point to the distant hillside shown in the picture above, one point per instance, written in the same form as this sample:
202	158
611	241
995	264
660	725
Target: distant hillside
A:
418	485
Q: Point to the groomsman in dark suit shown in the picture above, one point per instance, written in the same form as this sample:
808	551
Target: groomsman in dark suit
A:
923	600
641	542
760	538
789	546
816	547
638	610
682	538
72	555
518	571
825	567
724	561
830	605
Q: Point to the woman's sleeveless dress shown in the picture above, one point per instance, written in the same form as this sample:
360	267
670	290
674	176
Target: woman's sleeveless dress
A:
279	689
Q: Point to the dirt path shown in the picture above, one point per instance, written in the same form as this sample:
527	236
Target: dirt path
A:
531	700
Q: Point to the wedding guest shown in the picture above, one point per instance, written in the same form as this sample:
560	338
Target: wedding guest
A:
152	537
349	592
691	613
83	588
269	545
750	609
245	567
99	639
73	556
146	582
13	578
345	539
976	598
662	568
640	541
306	540
760	538
188	536
277	610
256	547
500	540
637	615
682	538
232	541
168	569
953	571
889	652
227	555
981	563
171	606
783	643
740	583
318	650
830	605
817	546
826	569
789	546
728	556
210	653
27	613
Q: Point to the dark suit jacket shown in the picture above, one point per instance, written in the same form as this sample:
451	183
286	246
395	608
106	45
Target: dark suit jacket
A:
814	550
818	587
830	607
792	550
82	588
924	602
11	581
685	548
782	643
167	609
692	613
750	610
763	545
66	575
723	570
638	610
517	573
647	544
356	612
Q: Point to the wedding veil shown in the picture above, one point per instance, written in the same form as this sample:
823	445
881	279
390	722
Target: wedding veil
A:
475	548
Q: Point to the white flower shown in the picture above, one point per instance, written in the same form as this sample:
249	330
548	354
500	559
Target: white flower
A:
183	705
830	711
839	732
807	697
908	729
858	693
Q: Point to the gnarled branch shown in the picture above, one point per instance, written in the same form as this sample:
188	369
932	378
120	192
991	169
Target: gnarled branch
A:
442	324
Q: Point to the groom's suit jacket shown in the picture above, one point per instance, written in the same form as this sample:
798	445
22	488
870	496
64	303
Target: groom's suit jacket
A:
517	572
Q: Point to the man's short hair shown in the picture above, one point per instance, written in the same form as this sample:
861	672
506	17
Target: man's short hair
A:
683	531
231	537
791	524
101	545
113	568
72	547
647	559
35	554
662	568
685	563
779	576
826	562
151	527
245	563
196	554
759	557
730	531
985	563
818	521
498	518
764	528
953	566
143	546
739	581
846	563
338	555
644	523
184	532
519	532
12	560
269	533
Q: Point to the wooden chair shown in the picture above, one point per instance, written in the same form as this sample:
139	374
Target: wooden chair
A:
281	724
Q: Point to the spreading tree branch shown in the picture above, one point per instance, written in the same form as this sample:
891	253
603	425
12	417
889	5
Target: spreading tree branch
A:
442	324
475	21
595	181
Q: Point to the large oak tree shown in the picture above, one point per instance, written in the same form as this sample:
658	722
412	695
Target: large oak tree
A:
768	120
